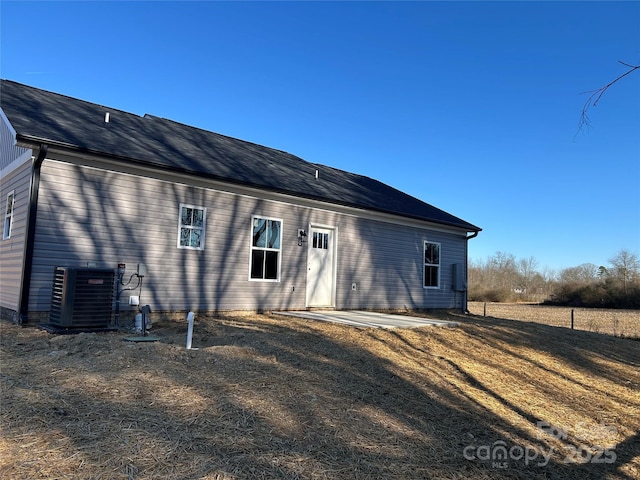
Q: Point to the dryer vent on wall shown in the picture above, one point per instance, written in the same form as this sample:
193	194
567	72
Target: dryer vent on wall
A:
82	297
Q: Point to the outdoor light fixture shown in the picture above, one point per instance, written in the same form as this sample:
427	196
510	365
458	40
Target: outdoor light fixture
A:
302	237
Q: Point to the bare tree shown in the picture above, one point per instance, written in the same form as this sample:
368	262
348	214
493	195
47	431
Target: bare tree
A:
528	271
585	273
597	94
503	270
625	267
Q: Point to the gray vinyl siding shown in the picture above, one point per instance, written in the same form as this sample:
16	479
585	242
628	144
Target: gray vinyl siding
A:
102	217
12	249
9	152
386	262
89	215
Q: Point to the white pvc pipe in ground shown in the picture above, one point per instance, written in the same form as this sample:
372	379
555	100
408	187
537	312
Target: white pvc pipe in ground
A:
190	317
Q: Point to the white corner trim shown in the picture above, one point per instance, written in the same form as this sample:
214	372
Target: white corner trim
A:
9	126
17	163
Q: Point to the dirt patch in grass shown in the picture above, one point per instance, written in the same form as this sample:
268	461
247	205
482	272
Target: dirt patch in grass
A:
273	397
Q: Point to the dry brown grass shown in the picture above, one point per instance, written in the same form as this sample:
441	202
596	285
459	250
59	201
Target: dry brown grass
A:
621	323
273	397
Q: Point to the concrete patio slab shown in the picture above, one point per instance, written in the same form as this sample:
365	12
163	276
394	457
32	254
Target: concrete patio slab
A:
369	319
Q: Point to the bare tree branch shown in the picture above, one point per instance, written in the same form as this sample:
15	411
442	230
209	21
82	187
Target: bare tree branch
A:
596	95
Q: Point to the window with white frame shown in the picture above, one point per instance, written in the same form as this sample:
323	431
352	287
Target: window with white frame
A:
191	227
431	265
265	249
8	216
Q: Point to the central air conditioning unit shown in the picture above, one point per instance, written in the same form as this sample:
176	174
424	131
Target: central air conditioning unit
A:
82	297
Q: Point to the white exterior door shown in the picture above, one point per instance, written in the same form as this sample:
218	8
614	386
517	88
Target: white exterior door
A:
320	267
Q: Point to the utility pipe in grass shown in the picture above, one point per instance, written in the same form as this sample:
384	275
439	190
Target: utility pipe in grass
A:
190	317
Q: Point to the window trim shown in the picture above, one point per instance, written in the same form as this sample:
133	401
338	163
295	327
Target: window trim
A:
425	264
203	228
252	248
8	217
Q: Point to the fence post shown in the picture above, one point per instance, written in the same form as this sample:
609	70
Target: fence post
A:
484	313
572	319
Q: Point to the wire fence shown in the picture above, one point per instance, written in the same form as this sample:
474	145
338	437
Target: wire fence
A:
621	323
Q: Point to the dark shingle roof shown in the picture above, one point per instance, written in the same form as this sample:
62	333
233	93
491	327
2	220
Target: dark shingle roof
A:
41	116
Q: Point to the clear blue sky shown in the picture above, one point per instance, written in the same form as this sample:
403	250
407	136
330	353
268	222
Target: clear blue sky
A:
472	107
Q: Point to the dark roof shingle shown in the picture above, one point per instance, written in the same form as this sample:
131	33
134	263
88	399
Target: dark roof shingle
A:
45	117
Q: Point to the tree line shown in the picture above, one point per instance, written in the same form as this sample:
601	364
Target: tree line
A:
504	278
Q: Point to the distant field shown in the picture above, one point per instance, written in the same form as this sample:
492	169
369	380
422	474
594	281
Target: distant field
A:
621	323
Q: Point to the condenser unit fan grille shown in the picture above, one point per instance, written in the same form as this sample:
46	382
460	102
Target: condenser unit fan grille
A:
82	297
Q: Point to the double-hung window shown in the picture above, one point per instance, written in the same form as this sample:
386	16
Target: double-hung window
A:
265	249
8	216
431	265
192	227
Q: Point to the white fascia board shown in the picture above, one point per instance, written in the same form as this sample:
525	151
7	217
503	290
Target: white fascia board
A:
22	158
17	163
6	121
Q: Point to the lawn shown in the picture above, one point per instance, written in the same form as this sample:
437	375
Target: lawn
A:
266	396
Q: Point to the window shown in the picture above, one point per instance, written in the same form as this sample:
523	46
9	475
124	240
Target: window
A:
8	216
265	249
321	240
431	265
191	227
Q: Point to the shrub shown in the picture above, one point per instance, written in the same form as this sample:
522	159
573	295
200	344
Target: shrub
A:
501	295
595	295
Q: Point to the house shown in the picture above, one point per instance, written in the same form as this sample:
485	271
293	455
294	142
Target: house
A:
201	221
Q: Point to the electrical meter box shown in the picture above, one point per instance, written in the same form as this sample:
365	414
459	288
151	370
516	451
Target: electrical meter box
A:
459	282
142	270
